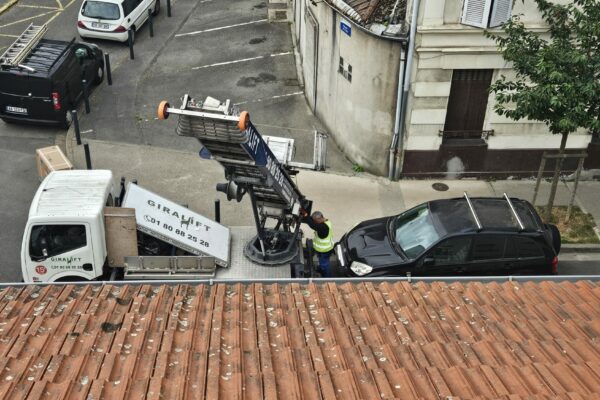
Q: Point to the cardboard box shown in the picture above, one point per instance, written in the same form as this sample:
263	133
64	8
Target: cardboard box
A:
50	159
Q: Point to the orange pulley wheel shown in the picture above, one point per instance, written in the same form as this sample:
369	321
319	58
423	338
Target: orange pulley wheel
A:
244	119
162	110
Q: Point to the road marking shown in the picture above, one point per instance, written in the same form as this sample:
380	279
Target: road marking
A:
269	98
242	60
59	4
40	7
221	27
54	16
7	5
7	35
205	1
26	19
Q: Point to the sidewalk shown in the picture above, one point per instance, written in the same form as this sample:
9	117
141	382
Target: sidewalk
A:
185	178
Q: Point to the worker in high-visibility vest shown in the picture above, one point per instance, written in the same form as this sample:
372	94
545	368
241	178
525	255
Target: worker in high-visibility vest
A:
323	238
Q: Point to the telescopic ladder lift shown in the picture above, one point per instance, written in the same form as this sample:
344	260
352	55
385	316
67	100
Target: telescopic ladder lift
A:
228	136
20	49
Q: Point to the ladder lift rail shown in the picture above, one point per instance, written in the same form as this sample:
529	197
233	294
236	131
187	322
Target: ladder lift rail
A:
228	137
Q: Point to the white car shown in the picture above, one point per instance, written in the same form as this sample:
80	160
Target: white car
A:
111	19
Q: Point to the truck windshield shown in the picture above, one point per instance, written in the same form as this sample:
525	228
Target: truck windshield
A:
100	10
50	240
414	231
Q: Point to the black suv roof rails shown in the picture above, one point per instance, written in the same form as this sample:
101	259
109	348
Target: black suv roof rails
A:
512	208
479	227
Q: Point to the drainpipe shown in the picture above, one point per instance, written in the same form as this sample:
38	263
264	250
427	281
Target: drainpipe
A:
399	96
403	88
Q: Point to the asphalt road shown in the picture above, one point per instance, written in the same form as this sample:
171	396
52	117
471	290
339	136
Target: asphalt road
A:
19	179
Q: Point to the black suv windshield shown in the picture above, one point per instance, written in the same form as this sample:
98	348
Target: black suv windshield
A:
100	10
414	231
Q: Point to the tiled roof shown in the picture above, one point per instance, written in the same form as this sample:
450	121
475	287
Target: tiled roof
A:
291	341
376	11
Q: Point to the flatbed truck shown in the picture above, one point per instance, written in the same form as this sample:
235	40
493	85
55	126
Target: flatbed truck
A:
79	229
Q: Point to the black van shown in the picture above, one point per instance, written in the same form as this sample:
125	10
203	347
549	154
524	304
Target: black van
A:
48	82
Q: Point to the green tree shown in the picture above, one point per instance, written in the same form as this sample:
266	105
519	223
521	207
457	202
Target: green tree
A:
557	72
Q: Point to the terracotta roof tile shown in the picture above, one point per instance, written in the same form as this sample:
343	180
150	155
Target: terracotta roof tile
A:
317	341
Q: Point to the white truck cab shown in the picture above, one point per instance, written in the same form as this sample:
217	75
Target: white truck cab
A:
64	235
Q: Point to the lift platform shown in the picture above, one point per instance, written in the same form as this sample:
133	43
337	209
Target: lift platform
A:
229	137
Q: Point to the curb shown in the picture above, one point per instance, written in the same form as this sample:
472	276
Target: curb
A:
580	248
8	5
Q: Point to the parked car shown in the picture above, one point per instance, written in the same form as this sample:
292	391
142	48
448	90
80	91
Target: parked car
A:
460	236
43	87
111	19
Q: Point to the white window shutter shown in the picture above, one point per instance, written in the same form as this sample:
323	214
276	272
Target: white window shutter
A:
501	11
476	12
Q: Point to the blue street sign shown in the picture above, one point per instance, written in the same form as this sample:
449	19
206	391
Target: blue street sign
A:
346	28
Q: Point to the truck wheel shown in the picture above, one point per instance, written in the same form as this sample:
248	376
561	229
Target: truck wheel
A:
156	8
71	279
99	75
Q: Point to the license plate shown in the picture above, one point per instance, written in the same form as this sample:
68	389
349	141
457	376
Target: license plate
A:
99	25
17	110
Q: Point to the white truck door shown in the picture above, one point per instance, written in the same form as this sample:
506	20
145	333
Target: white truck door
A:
55	251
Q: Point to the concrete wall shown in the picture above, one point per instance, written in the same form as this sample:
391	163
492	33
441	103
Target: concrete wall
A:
359	114
444	44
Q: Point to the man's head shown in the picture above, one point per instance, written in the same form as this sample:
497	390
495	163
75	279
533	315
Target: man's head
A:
318	217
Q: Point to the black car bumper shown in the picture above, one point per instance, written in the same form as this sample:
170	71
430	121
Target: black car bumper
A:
30	121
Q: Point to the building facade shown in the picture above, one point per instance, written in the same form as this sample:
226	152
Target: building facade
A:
451	126
448	124
351	70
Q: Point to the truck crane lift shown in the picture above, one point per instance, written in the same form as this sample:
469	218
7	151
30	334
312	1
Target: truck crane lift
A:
229	137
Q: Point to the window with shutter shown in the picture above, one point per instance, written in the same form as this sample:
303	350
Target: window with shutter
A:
476	12
467	104
501	10
486	13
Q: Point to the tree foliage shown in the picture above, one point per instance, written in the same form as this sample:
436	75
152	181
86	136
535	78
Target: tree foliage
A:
557	72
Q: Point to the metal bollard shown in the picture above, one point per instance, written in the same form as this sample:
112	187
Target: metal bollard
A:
86	100
107	68
88	159
168	8
150	23
130	43
76	126
218	210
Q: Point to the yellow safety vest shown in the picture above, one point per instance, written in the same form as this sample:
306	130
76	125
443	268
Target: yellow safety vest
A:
324	245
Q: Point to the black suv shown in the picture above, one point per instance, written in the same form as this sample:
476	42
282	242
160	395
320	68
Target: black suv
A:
460	236
48	82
